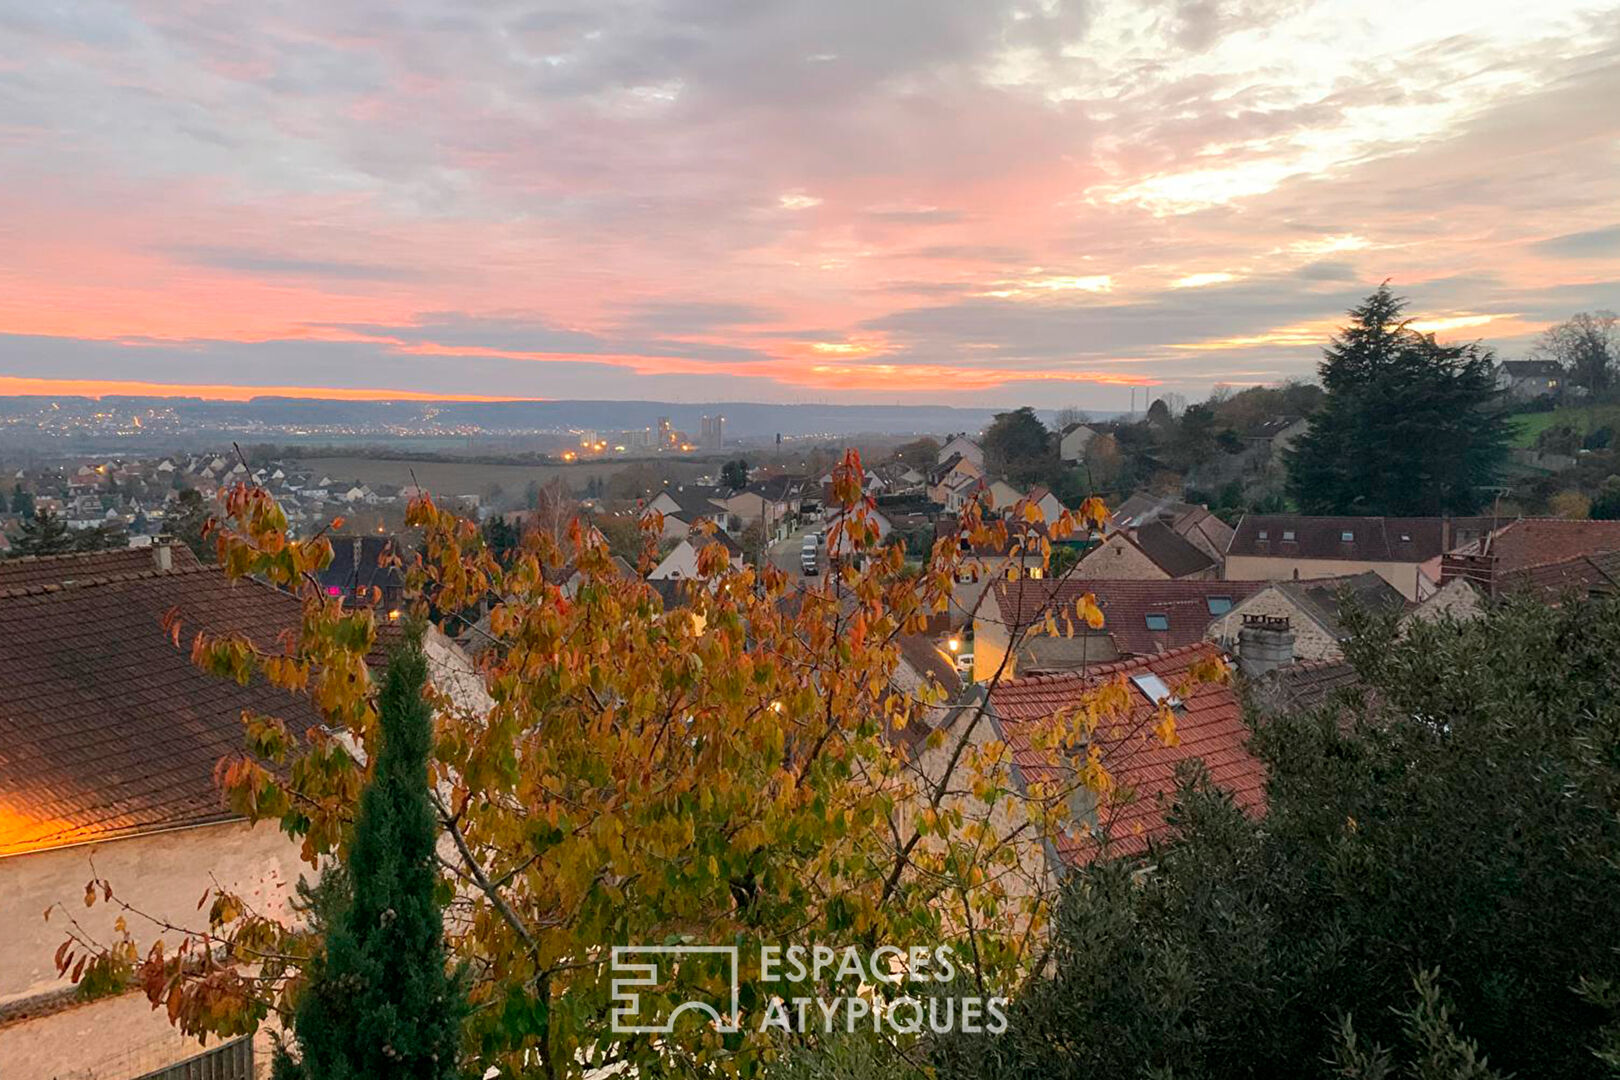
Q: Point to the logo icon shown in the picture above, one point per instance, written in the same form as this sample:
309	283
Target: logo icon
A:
638	967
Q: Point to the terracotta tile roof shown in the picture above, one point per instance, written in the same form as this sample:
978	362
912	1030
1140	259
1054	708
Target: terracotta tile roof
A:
1209	722
1531	542
57	569
1586	575
1126	605
1372	539
106	728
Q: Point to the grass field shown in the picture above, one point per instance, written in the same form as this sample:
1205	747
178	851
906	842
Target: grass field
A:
1583	418
471	478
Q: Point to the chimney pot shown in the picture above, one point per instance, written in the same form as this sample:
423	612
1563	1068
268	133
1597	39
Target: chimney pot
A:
1265	644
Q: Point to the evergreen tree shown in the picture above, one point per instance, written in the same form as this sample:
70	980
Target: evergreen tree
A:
1408	426
380	1004
43	534
1019	447
22	502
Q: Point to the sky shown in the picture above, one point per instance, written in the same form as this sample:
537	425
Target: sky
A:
968	202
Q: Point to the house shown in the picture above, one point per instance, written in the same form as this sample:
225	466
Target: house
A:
1314	610
771	501
1280	547
363	570
838	542
1209	725
1190	521
1509	555
1276	435
1530	379
682	560
683	507
1153	551
954	476
111	736
1139	618
1073	440
965	448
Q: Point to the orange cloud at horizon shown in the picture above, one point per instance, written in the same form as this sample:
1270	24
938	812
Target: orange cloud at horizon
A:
19	386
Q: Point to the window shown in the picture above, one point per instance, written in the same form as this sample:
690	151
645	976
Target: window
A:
1347	537
1406	538
1154	689
1288	534
1219	605
1264	535
1157	620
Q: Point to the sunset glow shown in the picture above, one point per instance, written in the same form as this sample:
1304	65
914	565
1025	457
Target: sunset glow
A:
977	202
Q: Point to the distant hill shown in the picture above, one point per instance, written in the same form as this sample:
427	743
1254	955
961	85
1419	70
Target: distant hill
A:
743	420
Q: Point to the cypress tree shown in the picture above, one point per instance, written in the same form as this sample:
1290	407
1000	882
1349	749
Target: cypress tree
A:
380	1004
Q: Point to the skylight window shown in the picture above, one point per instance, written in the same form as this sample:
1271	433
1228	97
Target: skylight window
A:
1158	620
1347	536
1219	605
1154	689
1264	535
1288	534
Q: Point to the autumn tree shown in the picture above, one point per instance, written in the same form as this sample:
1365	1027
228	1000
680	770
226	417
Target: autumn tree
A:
1408	427
1588	347
379	1001
742	768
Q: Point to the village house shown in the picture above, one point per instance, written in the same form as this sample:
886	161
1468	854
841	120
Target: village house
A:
966	448
682	561
1190	521
1510	556
1150	552
683	507
1073	440
1313	608
1527	380
1209	726
1139	618
1280	547
110	739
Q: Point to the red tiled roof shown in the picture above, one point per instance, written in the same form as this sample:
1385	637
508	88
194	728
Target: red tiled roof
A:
1209	723
1531	542
1126	604
107	729
1585	575
57	569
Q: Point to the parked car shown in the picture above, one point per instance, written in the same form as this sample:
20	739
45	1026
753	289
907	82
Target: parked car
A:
809	563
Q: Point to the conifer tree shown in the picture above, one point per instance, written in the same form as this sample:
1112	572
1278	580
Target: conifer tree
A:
43	534
380	1004
1408	427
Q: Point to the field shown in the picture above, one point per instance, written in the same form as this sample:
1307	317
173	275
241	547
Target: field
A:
1583	418
473	478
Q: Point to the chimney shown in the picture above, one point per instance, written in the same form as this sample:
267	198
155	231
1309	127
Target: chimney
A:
162	554
1265	644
